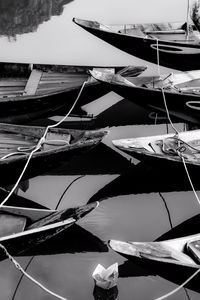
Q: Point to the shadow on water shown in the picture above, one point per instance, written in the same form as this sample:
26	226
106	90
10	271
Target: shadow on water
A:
125	113
19	201
102	294
143	178
23	16
122	113
177	274
73	240
99	161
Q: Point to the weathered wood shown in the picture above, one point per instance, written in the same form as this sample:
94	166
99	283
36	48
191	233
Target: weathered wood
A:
33	82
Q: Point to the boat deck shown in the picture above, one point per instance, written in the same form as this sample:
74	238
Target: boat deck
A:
41	84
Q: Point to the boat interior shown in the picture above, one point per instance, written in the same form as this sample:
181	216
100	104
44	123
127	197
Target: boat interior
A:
38	82
185	83
174	32
20	140
20	144
183	251
186	144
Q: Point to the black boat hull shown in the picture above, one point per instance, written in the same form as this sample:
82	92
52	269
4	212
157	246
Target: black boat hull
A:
175	55
57	92
185	107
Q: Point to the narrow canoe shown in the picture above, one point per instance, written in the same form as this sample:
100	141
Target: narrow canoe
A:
180	92
32	91
177	50
23	228
165	149
183	251
17	141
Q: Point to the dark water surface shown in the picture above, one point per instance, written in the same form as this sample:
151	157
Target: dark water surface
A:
137	202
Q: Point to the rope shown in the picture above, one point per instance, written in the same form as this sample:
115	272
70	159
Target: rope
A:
193	275
167	111
179	287
30	261
19	267
165	103
158	58
156	119
189	178
22	275
21	150
39	144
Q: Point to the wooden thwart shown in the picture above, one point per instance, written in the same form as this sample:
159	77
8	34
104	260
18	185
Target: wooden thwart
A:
33	82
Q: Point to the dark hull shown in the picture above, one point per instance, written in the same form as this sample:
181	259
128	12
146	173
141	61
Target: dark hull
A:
22	109
163	163
185	107
39	165
176	55
21	244
44	160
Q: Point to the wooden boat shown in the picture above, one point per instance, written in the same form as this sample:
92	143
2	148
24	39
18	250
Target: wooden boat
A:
183	251
32	91
181	91
17	141
178	47
165	149
23	228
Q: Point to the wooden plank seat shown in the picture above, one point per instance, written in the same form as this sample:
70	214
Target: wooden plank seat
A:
33	82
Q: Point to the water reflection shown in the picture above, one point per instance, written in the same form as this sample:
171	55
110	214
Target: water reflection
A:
102	294
143	178
78	240
100	160
23	16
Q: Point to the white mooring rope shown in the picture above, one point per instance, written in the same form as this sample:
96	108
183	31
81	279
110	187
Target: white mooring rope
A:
41	141
39	144
19	267
189	178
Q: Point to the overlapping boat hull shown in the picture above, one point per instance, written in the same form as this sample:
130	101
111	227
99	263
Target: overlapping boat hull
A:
181	55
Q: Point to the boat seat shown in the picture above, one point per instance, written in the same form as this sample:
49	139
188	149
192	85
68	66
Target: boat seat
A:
133	31
56	140
11	224
33	82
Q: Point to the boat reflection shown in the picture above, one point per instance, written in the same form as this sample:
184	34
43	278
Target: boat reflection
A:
102	294
23	16
143	178
74	240
125	113
98	161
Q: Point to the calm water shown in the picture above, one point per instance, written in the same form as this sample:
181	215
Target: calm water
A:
136	202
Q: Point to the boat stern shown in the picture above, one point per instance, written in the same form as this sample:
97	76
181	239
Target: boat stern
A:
109	78
96	134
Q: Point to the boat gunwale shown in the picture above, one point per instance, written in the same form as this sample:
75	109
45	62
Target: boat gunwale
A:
173	43
163	243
